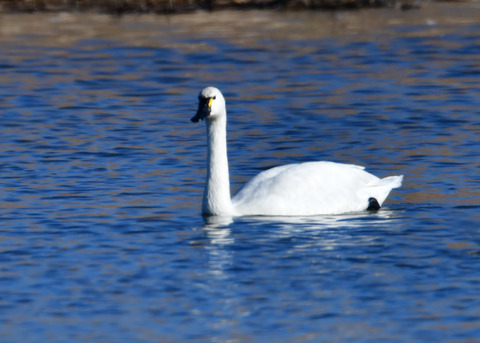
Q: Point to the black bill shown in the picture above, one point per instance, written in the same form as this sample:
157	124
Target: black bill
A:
203	111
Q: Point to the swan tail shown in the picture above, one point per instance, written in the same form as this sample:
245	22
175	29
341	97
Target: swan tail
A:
389	181
380	189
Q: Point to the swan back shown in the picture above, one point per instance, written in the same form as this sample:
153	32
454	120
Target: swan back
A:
311	188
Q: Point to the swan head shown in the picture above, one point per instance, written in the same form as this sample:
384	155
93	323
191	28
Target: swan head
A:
211	105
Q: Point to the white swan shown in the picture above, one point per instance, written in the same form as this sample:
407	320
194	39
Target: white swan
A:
309	188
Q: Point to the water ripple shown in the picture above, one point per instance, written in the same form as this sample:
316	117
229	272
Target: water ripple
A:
102	178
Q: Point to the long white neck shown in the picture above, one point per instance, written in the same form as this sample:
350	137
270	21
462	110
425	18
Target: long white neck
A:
216	195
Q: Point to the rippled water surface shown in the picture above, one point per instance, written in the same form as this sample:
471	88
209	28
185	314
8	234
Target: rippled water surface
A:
101	237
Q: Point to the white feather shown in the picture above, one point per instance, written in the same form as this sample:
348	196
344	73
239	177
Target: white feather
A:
309	188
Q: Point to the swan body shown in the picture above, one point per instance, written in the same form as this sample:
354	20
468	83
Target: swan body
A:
310	188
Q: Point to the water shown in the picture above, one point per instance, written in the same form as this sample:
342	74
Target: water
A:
102	174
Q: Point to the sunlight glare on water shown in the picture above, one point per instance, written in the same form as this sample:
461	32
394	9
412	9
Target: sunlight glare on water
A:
102	176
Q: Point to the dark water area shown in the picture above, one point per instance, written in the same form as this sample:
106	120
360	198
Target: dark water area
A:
102	172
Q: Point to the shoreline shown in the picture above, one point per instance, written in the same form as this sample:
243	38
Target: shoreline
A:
120	7
244	28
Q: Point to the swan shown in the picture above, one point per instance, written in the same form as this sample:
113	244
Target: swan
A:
309	188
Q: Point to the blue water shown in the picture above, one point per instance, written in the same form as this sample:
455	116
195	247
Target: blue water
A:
101	236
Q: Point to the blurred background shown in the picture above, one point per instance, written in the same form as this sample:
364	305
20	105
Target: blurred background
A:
167	6
101	170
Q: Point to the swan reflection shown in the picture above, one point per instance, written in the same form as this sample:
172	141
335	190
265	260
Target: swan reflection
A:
307	222
350	220
226	237
212	222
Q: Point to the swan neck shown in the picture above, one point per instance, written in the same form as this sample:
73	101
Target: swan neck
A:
216	197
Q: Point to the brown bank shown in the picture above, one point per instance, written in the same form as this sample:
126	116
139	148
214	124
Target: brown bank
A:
181	6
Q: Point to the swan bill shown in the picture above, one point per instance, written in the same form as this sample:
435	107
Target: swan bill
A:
204	109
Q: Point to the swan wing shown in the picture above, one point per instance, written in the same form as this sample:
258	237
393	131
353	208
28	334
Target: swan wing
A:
310	188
